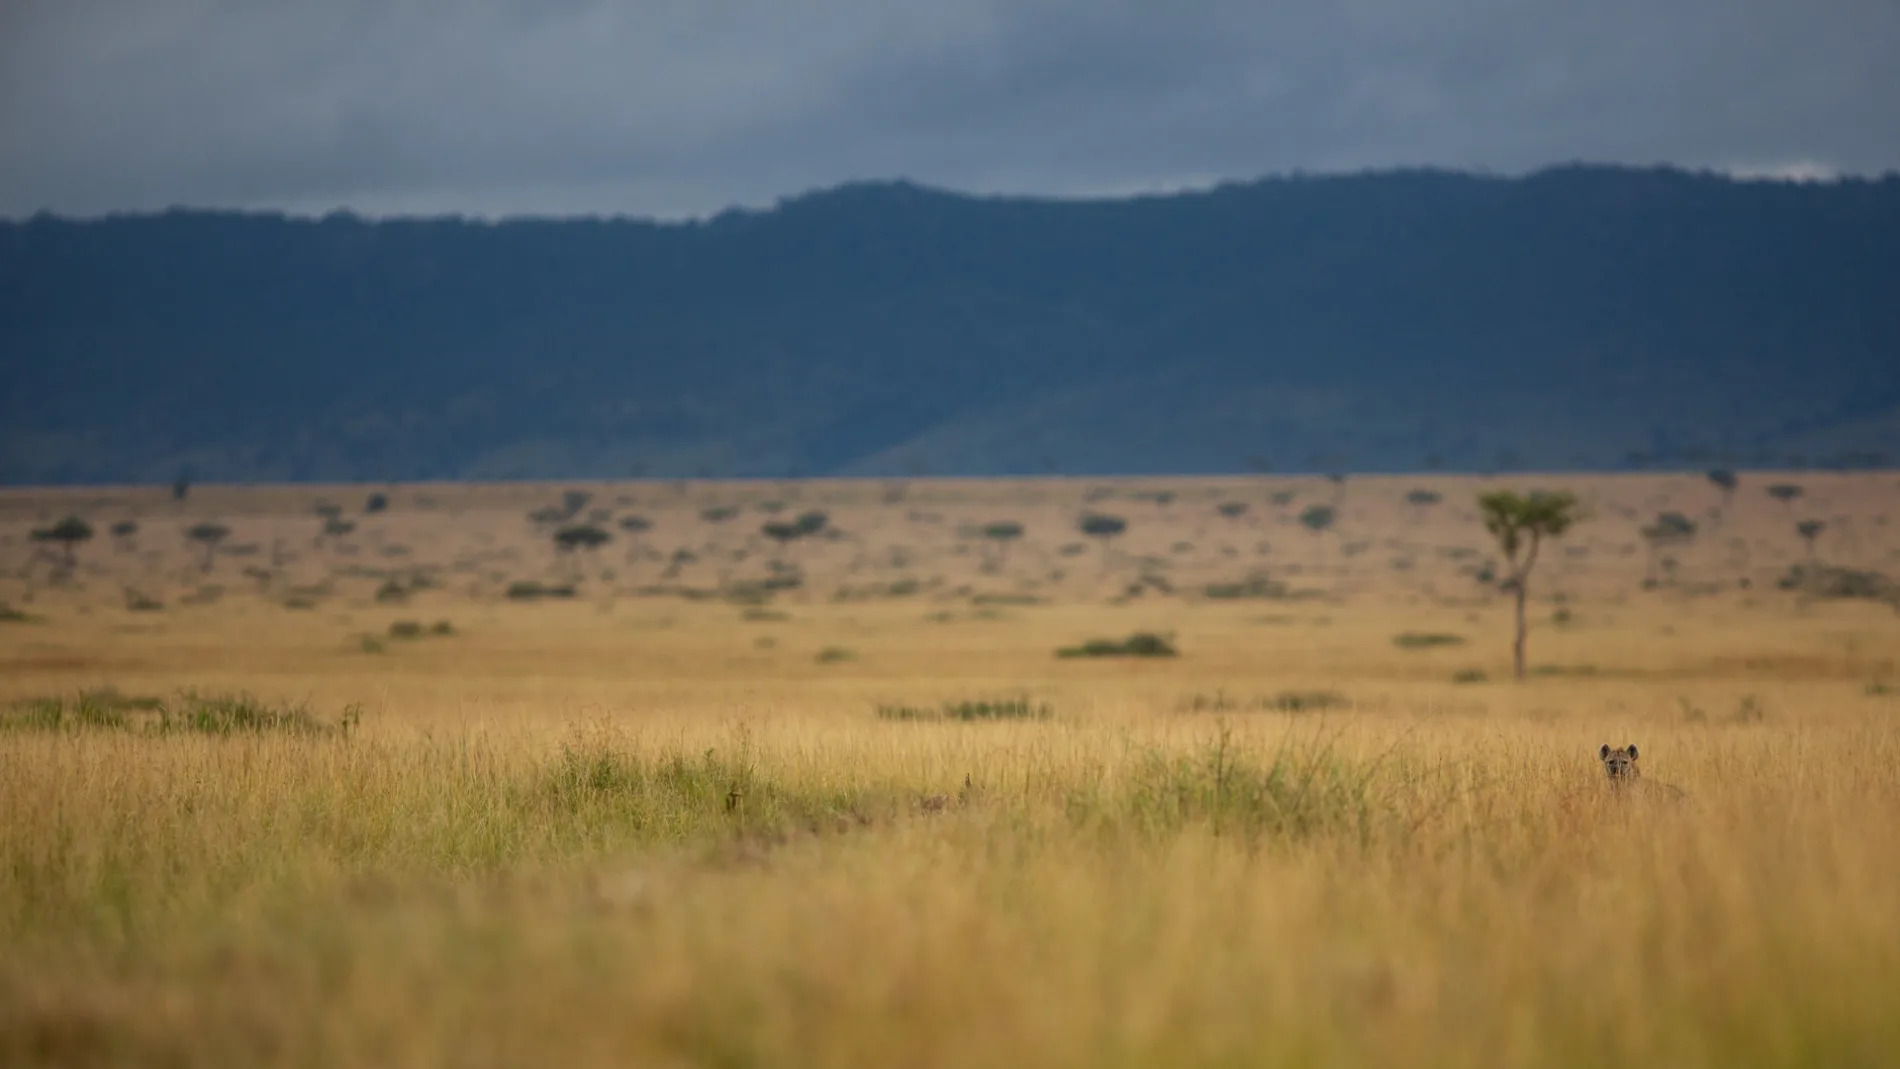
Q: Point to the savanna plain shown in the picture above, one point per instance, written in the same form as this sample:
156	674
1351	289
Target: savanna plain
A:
924	773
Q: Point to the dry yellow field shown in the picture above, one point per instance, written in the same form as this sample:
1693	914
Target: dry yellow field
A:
688	816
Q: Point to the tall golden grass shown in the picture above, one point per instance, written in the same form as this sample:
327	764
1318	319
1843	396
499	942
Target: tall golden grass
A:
641	829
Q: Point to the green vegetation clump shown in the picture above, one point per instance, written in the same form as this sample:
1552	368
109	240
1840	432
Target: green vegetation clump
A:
1139	644
1826	581
1253	586
11	615
1469	675
1298	792
967	711
835	655
534	589
188	713
1425	640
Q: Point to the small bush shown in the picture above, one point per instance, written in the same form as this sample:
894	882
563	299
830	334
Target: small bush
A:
1469	675
11	615
442	628
139	601
834	655
1425	640
405	629
1139	644
392	592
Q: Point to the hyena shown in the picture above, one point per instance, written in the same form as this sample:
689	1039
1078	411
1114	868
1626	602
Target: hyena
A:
1625	773
1620	764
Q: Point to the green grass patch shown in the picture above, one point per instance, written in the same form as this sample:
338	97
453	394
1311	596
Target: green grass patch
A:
187	713
1426	640
1139	644
534	590
969	711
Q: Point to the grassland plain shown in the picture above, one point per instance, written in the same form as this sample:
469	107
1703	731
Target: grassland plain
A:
662	821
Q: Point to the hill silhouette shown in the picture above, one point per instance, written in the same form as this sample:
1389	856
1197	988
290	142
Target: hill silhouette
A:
1577	317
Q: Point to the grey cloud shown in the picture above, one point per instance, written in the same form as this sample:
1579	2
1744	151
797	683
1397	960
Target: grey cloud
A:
675	106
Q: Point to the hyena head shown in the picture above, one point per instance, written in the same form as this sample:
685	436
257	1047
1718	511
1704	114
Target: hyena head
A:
1620	764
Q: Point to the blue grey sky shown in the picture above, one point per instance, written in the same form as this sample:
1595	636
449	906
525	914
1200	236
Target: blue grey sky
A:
673	108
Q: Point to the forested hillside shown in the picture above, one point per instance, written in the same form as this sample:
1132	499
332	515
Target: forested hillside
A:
1579	317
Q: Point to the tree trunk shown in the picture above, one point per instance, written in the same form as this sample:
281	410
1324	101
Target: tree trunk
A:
1517	646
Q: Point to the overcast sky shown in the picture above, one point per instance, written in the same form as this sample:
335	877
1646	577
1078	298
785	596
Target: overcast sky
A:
682	107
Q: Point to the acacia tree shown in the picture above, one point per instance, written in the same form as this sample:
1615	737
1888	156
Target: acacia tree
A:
1671	529
208	535
1809	530
580	536
1520	523
67	533
1725	481
1785	493
1003	532
1103	526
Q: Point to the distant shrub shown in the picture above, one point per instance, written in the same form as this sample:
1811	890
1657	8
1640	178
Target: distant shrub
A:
1233	510
1468	675
580	536
531	589
376	502
1306	701
139	601
442	628
1425	640
635	524
1139	644
11	615
718	513
1422	498
405	629
1254	586
392	591
835	654
1318	518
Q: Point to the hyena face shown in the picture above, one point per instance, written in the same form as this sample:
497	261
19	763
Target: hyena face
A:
1620	764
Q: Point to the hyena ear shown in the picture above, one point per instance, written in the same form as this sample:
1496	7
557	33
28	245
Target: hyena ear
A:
1632	751
1604	754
